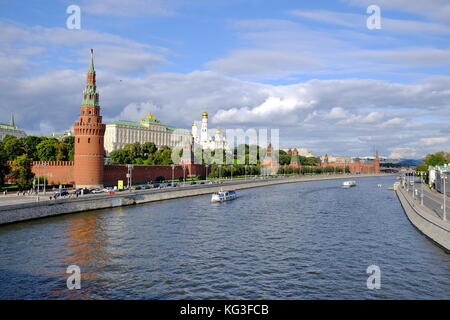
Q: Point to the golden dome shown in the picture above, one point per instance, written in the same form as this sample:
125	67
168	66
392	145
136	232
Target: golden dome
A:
205	114
218	131
149	116
194	124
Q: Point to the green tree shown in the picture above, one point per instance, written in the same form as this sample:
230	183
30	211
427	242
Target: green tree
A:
436	159
284	158
21	171
4	168
70	142
422	167
47	150
148	148
13	147
121	156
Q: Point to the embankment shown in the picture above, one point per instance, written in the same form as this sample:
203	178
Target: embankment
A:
426	222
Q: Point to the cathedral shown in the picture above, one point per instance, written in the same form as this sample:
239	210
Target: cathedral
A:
218	141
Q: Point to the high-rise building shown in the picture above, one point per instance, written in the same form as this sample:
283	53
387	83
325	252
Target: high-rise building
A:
89	135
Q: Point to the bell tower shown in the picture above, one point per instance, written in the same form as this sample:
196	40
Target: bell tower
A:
89	137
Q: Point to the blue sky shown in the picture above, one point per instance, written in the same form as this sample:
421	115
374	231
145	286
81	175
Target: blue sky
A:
311	68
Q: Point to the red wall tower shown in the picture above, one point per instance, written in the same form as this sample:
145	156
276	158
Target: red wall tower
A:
89	137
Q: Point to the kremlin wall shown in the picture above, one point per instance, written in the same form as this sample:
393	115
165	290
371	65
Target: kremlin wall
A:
89	171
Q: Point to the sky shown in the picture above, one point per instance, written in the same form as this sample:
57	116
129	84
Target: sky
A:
312	69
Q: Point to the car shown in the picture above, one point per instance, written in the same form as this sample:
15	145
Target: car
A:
95	191
61	192
155	185
193	182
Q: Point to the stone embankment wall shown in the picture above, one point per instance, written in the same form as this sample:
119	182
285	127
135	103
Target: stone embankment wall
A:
430	225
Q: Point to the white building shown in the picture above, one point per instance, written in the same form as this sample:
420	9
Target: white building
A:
11	129
149	129
218	141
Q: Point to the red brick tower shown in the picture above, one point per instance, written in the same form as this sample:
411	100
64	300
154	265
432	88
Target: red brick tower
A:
376	163
89	136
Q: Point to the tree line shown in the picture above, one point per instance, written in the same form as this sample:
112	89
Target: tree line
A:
21	152
434	159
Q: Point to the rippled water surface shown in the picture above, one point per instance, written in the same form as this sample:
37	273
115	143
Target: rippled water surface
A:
294	241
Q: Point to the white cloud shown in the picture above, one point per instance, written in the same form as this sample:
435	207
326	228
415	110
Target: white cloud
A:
130	7
358	21
402	153
392	122
435	141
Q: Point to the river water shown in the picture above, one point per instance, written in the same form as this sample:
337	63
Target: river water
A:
310	240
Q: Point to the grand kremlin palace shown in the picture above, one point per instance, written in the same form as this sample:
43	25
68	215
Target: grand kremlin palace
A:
120	133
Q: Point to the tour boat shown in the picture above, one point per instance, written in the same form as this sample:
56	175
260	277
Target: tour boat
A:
348	184
222	196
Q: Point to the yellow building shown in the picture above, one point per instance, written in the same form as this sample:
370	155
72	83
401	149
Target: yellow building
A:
149	129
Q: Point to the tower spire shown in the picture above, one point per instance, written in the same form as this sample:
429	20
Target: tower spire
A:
12	124
91	66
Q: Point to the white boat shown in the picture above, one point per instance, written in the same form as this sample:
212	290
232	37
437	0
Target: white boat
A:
222	196
348	184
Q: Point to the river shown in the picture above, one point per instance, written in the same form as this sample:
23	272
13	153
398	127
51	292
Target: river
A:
310	240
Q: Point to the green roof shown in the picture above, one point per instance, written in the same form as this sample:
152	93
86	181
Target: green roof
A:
127	123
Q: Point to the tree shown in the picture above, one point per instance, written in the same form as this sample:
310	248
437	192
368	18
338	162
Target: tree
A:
422	167
148	148
121	156
13	147
70	142
47	150
4	168
21	171
31	143
437	159
284	158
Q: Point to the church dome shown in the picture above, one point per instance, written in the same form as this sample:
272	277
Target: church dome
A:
205	114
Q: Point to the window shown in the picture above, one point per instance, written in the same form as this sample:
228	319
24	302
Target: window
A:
89	140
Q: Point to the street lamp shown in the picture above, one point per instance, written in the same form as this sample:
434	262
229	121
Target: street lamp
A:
173	173
206	175
231	172
220	172
130	175
245	172
421	186
184	175
444	178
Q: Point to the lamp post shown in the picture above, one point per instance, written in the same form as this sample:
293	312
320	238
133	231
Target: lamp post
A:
45	164
184	175
220	172
231	172
421	187
206	175
444	178
173	173
130	176
245	172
